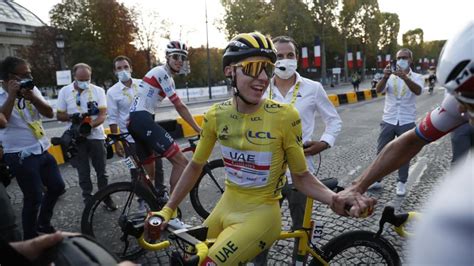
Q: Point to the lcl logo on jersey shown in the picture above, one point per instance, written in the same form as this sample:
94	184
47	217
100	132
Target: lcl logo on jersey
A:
272	107
259	137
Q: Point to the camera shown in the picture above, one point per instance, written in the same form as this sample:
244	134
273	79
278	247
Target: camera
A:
27	84
81	127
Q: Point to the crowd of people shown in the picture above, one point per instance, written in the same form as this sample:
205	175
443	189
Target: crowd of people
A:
265	132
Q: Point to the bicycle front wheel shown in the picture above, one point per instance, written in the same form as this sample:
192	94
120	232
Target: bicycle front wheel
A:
359	248
118	229
209	188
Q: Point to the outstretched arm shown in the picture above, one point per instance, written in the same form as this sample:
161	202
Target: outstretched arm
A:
395	154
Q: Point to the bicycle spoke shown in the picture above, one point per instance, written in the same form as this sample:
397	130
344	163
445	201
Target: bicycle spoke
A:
108	225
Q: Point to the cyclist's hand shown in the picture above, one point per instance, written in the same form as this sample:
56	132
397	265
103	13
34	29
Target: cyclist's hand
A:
119	149
360	205
166	214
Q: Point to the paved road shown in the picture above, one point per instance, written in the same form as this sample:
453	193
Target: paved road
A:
354	150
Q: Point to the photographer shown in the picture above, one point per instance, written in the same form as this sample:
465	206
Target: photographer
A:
84	104
25	146
401	86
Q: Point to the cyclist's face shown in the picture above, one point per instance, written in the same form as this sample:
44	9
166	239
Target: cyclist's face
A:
251	87
176	61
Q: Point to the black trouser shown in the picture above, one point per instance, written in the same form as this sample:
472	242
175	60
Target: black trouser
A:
94	150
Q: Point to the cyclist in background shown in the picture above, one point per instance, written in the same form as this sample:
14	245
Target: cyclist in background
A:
149	137
258	138
456	74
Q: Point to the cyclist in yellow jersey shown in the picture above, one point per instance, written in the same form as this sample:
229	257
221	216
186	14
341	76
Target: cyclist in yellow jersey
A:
258	138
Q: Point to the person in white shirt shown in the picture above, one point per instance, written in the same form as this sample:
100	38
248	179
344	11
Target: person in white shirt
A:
25	148
309	98
82	97
119	100
401	86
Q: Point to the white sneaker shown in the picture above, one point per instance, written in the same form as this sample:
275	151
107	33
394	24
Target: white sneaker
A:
401	189
376	185
176	223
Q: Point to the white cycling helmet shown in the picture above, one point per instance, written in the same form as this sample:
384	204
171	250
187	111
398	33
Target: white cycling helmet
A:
176	47
455	69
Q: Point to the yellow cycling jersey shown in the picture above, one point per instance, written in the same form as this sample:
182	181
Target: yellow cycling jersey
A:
256	148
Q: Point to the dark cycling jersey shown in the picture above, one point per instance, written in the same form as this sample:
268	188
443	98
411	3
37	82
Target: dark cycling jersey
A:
441	120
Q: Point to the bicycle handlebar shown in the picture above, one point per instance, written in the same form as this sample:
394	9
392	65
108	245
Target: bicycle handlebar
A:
399	221
184	235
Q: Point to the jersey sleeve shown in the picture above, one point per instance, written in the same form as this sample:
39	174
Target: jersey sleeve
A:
293	141
208	137
441	120
162	80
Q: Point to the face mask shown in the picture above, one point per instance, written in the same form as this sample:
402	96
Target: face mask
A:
403	63
124	75
289	65
83	84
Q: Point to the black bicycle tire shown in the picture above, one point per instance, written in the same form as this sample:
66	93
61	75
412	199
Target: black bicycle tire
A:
347	240
87	215
194	193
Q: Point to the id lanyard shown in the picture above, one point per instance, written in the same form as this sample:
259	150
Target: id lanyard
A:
125	92
293	97
35	126
395	88
78	99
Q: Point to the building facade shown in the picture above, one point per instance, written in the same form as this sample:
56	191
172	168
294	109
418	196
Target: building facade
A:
17	25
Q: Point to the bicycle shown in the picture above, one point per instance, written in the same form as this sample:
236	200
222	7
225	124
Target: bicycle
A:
120	235
353	247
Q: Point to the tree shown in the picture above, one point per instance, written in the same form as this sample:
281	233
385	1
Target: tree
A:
324	17
389	28
243	15
413	40
360	20
198	60
150	28
43	56
92	37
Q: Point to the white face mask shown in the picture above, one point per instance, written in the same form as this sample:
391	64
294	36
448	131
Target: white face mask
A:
403	63
83	84
289	65
124	75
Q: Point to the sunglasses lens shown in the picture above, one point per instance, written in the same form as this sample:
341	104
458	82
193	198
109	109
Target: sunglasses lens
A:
179	57
253	69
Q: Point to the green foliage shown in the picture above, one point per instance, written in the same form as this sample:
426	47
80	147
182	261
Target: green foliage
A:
198	60
243	15
97	31
43	64
389	28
